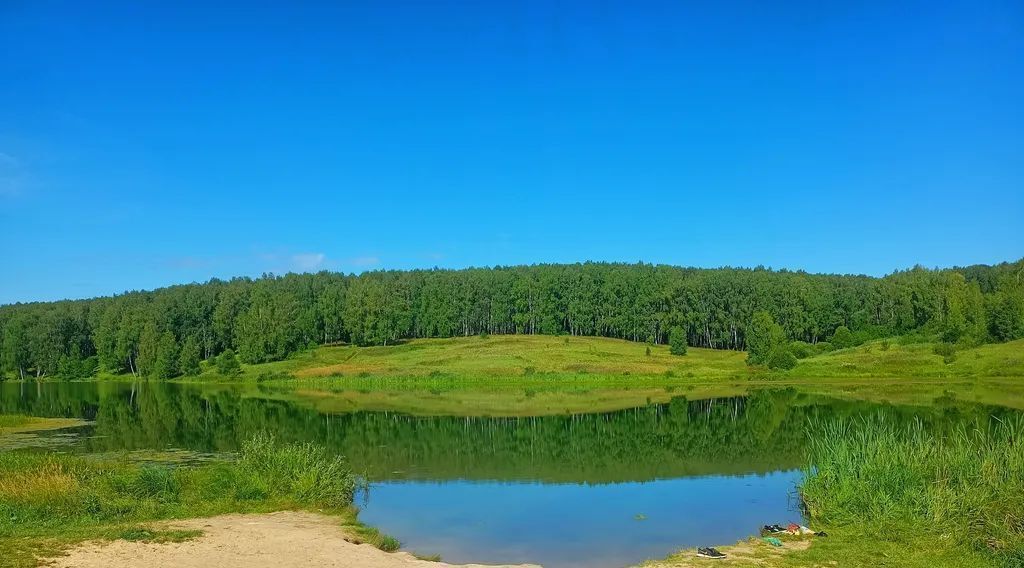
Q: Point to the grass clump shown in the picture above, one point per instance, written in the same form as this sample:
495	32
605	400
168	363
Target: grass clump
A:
305	473
963	488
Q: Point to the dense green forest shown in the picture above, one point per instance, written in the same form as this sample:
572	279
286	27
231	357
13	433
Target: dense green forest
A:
167	332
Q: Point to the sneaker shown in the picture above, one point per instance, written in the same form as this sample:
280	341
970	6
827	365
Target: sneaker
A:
710	553
772	529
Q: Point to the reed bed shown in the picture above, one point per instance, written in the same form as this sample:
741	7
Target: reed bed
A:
965	483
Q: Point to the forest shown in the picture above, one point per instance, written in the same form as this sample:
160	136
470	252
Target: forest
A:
168	332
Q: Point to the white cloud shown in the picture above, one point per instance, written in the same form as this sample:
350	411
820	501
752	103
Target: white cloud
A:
364	261
308	261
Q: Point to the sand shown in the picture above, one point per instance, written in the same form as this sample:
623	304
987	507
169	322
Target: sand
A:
287	539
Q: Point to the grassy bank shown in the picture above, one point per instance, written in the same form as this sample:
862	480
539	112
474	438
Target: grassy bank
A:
956	495
50	501
902	496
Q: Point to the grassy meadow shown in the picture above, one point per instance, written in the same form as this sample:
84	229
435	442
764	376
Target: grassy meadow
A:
514	359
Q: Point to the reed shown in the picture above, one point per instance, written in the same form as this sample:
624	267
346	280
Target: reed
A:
966	483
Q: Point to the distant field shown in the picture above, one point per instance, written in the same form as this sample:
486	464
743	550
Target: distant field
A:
548	357
875	359
538	375
510	356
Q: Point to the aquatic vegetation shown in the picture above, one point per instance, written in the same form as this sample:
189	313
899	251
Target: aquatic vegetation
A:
965	484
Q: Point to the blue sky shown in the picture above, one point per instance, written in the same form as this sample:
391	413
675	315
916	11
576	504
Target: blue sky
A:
143	145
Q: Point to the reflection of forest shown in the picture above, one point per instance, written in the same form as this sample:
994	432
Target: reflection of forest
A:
760	433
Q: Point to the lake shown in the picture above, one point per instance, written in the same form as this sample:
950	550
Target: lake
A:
601	489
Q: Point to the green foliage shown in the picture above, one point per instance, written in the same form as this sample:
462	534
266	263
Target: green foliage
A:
189	359
946	350
165	364
271	318
677	341
228	365
763	336
802	349
843	338
781	358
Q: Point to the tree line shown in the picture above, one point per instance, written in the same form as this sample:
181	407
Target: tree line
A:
167	332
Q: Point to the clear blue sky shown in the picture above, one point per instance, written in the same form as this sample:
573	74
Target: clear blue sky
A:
142	146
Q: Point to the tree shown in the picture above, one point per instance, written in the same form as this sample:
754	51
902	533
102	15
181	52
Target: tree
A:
191	354
228	365
842	338
149	347
763	336
677	341
165	364
15	355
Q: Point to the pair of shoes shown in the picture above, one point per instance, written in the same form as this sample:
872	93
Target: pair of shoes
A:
710	553
772	529
821	533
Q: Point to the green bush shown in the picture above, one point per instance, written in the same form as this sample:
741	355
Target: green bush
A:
843	338
801	349
781	358
947	351
228	365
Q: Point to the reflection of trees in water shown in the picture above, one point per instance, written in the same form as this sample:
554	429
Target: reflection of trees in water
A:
759	433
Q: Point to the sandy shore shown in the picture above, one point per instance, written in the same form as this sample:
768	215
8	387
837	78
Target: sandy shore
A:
286	539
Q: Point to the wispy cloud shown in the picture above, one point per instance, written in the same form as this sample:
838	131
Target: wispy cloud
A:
364	261
308	261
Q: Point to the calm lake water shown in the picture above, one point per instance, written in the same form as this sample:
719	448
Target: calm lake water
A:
603	490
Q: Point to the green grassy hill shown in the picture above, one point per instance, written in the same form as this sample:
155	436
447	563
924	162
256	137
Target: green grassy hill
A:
550	357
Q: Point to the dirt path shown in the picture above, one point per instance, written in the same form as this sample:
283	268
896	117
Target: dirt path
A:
286	539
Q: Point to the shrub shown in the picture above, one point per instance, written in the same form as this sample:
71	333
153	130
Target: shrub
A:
801	349
843	338
677	341
228	365
781	358
946	350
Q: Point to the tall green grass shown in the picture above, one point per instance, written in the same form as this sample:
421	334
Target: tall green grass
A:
50	500
965	484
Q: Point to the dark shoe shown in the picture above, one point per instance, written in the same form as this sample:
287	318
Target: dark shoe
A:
710	553
772	529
